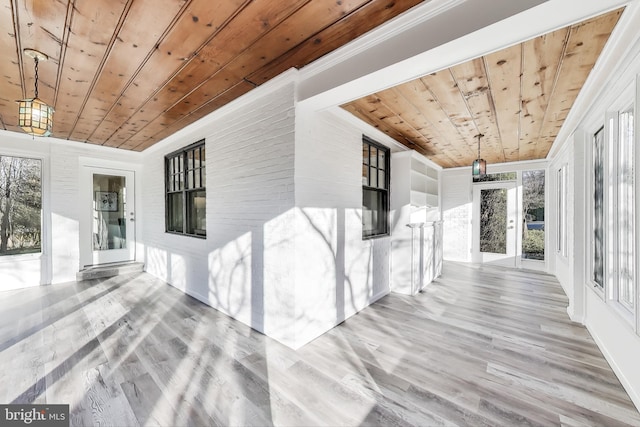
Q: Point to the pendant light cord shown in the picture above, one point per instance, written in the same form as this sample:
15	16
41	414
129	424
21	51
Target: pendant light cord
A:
36	59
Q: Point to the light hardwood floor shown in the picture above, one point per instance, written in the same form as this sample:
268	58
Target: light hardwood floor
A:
480	347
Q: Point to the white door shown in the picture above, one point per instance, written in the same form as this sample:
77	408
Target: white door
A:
495	223
110	229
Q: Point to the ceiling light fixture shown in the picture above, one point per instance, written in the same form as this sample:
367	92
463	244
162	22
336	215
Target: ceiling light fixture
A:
35	117
479	167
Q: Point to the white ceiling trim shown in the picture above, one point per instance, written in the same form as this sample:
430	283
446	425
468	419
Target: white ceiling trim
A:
463	41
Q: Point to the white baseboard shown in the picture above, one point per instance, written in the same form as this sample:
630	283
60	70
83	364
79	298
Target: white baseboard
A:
630	388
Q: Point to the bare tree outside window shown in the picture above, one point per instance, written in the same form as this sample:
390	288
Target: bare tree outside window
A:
533	183
20	205
493	220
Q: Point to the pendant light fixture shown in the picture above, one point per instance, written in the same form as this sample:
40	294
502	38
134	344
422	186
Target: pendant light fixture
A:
479	167
35	117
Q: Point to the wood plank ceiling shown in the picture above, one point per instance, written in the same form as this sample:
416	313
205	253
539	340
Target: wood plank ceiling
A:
125	73
518	98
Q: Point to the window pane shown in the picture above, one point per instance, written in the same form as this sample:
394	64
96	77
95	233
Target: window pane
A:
626	222
493	221
196	201
373	158
20	205
381	180
374	214
375	194
533	185
598	208
109	213
490	177
190	179
174	212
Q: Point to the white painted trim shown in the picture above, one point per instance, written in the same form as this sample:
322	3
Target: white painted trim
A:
367	129
508	166
446	44
45	253
53	142
392	28
291	76
615	54
628	386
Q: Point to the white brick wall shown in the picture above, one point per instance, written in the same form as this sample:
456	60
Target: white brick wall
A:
337	273
456	214
245	266
62	209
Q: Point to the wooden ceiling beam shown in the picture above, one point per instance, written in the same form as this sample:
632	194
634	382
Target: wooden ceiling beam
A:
357	23
149	59
302	24
84	57
144	141
471	79
503	74
10	71
542	56
249	25
585	43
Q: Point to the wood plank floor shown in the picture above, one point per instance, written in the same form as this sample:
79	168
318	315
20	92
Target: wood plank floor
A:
480	347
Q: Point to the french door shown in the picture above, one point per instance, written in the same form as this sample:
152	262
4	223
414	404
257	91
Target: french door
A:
495	227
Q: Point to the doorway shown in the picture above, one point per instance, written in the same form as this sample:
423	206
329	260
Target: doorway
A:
495	224
109	232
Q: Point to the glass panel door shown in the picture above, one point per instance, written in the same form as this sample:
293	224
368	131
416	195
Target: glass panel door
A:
109	207
112	220
495	225
493	220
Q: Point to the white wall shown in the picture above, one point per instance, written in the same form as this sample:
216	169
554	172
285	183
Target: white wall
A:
337	273
609	87
244	267
456	214
457	206
284	250
60	259
562	266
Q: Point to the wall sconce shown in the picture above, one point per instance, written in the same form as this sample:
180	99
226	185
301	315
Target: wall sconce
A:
35	117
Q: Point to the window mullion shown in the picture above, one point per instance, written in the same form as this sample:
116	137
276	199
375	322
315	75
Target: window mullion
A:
185	168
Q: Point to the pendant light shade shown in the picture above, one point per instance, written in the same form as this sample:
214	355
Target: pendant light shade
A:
35	117
479	167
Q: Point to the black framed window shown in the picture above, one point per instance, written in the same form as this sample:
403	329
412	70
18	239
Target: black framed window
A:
185	183
375	189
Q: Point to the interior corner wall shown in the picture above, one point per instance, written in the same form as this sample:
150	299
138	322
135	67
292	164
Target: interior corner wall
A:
616	337
457	206
456	214
562	266
244	267
337	272
60	258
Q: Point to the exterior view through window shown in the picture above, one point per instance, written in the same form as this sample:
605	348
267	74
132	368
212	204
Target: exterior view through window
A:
186	191
375	189
598	208
533	211
493	220
20	205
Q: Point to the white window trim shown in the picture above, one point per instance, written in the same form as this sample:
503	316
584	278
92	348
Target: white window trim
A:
629	99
